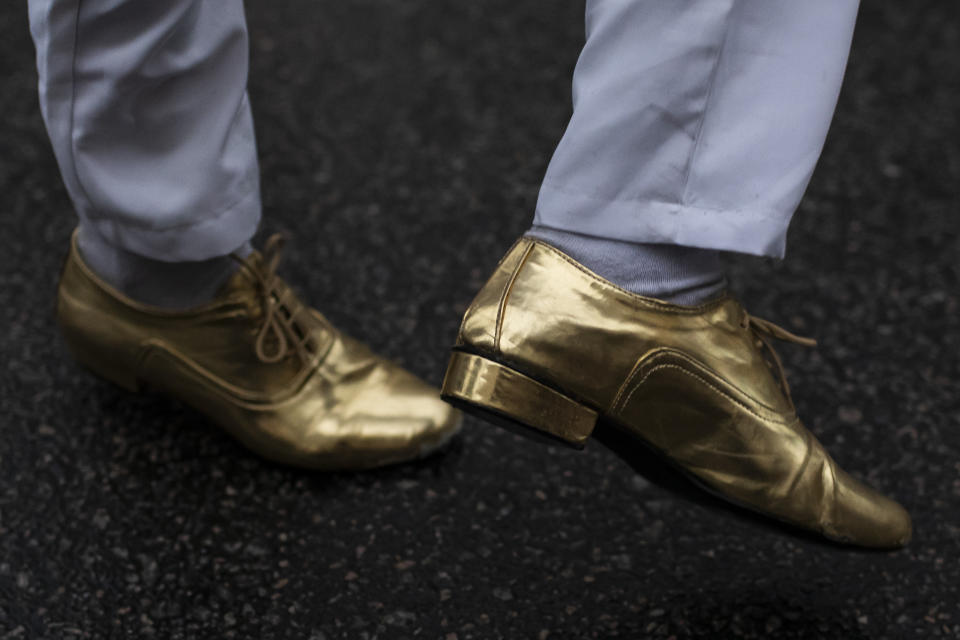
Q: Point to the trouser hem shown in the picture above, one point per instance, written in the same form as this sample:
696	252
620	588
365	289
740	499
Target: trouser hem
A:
755	232
200	240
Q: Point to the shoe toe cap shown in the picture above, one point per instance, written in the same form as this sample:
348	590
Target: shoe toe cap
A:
390	417
867	518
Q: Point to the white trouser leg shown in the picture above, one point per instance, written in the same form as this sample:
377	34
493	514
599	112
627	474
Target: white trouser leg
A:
697	122
146	106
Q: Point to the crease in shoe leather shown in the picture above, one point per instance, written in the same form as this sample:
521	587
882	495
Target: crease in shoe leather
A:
702	384
269	370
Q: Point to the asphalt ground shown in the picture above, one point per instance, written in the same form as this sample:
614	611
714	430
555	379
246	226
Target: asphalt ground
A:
402	146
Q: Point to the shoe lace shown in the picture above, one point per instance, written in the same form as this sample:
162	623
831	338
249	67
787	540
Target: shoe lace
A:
763	331
281	309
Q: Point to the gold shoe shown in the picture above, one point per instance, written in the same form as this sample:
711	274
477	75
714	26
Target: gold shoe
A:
551	346
272	372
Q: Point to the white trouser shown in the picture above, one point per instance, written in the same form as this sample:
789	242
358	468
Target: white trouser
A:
146	105
697	122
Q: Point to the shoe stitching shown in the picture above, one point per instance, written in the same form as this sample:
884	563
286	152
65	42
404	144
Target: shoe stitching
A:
633	373
657	353
501	309
236	395
476	299
709	384
506	296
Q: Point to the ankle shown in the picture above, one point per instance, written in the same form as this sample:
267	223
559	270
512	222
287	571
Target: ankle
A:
677	274
171	285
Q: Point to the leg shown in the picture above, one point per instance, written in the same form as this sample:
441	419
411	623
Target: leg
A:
146	107
702	122
697	123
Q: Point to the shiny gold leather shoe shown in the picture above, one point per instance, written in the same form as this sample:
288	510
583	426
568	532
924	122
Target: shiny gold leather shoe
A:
271	371
552	347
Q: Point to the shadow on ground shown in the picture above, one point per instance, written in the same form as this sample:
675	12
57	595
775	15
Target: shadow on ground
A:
402	145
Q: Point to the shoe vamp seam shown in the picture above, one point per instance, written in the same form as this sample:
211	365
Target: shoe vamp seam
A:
777	418
234	393
660	353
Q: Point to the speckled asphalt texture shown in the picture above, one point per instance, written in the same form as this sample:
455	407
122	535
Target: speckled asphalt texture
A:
402	146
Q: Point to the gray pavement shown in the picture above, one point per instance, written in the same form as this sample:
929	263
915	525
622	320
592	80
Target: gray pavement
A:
402	146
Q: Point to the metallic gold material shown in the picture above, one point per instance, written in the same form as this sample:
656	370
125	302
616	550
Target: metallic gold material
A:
272	372
552	346
503	391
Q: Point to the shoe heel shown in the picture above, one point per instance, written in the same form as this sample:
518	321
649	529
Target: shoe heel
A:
482	386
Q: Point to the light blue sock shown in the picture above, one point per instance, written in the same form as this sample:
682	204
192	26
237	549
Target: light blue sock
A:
171	285
681	275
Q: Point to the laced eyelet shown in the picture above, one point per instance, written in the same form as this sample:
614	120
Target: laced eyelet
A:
764	329
280	310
